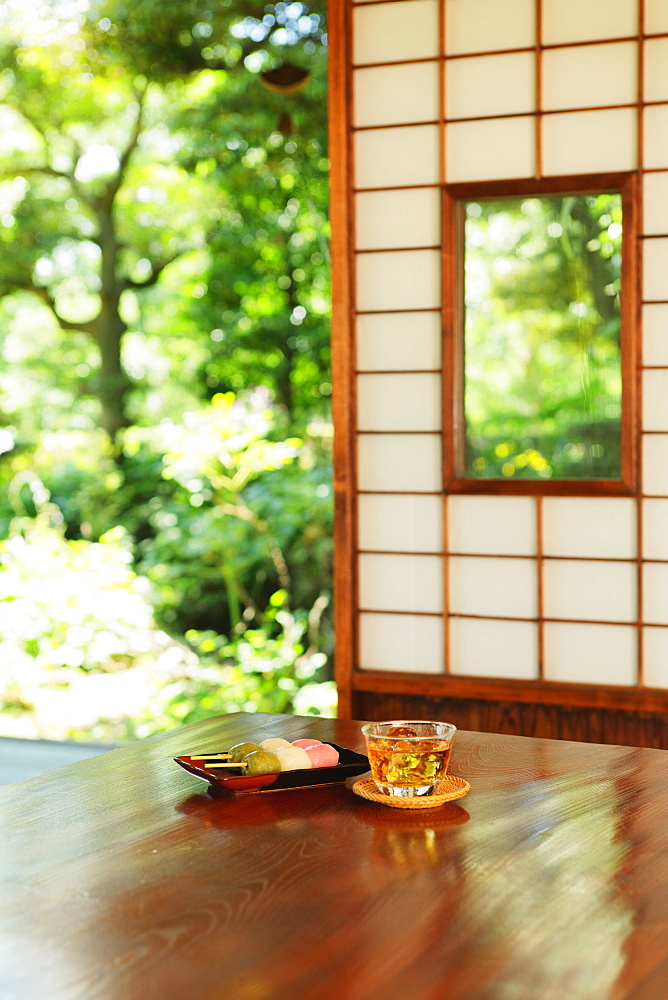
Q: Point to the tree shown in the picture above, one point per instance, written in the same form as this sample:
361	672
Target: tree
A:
163	228
125	180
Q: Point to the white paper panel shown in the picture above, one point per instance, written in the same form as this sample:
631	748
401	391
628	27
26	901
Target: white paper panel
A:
655	529
386	219
655	464
488	25
394	156
394	463
499	587
490	85
656	70
401	583
412	643
488	150
655	203
655	593
590	591
590	654
589	141
389	95
603	528
388	32
403	279
655	657
655	400
480	648
400	523
575	21
492	525
655	334
656	137
656	16
655	269
399	402
590	75
398	341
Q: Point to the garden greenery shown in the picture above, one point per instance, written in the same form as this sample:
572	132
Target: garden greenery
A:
84	651
165	438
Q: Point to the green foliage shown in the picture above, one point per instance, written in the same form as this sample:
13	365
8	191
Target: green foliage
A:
84	658
543	371
234	528
167	199
266	669
69	610
164	328
272	292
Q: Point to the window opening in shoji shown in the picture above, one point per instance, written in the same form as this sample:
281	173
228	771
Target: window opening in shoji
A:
540	374
540	326
396	145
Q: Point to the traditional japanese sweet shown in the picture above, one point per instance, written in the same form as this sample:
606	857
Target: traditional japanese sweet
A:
322	755
273	743
239	751
261	762
272	755
293	758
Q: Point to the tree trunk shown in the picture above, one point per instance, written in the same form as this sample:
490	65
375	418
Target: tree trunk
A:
112	384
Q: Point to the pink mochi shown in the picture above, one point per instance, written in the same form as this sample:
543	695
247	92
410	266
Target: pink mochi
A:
323	755
305	744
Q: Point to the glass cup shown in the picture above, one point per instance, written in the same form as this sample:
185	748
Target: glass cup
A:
408	757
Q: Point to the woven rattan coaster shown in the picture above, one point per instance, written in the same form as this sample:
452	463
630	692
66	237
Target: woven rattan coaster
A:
449	789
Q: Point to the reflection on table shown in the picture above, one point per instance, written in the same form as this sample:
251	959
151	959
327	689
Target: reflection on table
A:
123	879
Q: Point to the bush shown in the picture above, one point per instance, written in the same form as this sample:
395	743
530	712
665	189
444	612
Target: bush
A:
84	659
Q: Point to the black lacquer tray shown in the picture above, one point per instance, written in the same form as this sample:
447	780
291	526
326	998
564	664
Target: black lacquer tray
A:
350	765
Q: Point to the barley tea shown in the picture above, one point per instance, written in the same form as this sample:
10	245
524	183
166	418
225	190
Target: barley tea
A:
408	758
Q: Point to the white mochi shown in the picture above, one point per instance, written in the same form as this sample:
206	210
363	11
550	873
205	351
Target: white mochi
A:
273	743
292	758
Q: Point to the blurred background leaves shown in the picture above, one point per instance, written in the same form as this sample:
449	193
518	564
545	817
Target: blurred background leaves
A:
165	437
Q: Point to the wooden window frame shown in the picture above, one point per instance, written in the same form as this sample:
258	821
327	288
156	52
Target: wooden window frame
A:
453	313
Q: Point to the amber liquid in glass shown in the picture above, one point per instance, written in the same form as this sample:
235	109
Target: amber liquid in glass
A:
408	763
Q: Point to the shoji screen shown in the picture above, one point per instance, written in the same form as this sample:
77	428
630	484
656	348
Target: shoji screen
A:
398	142
553	599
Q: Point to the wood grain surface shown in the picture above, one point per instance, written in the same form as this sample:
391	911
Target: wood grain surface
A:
122	879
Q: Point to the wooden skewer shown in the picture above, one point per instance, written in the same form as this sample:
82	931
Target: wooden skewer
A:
210	756
231	764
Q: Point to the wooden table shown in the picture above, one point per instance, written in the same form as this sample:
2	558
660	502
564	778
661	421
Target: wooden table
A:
121	879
